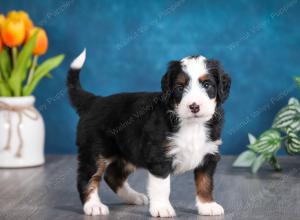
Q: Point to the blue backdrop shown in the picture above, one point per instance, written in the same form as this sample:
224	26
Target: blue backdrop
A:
130	42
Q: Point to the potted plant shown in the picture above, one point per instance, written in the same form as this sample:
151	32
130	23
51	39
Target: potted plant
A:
283	133
22	131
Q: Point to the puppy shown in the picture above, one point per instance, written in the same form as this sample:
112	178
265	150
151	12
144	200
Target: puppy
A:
167	132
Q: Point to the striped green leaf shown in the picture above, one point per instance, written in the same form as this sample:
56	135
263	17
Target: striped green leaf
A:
245	159
297	79
268	143
259	161
251	138
274	163
293	101
289	116
292	144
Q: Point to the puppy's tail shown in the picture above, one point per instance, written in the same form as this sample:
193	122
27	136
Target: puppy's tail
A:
81	100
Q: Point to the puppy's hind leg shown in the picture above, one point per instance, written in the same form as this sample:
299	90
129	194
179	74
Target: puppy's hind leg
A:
116	177
89	175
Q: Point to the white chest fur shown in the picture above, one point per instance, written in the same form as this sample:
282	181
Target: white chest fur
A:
189	145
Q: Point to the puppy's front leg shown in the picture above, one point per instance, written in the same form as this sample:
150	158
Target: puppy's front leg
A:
204	187
159	192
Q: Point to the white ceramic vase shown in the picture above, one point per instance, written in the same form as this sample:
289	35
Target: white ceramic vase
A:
22	133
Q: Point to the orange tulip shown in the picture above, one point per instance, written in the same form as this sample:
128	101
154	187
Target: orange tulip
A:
2	19
13	32
41	41
22	15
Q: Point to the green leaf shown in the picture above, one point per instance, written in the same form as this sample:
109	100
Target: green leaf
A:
18	74
5	64
49	76
252	139
5	70
293	101
292	144
274	163
41	71
259	161
297	79
4	89
289	116
245	159
268	143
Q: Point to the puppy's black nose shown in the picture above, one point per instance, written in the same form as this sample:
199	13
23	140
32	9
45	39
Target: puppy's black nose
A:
194	108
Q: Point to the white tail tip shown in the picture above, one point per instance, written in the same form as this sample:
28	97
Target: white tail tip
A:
79	61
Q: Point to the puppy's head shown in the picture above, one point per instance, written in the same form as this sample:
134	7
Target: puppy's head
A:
195	86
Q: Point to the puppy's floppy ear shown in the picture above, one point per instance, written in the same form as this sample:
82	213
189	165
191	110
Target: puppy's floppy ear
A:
222	78
166	84
224	87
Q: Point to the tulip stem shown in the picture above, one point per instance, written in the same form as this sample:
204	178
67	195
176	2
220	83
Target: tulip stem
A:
14	55
32	69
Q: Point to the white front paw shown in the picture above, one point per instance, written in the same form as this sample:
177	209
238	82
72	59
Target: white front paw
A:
95	208
210	208
163	210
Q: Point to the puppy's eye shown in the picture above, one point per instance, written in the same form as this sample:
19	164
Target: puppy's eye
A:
206	84
179	88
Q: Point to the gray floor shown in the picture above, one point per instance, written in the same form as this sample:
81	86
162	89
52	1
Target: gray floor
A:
49	193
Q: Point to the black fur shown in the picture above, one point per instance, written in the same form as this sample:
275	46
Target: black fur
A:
223	80
83	99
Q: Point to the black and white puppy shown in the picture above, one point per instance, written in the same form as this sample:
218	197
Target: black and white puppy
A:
166	132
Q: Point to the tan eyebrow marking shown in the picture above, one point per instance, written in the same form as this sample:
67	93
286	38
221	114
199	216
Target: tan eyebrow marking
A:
204	77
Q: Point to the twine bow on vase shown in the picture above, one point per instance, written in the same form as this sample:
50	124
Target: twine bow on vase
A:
22	111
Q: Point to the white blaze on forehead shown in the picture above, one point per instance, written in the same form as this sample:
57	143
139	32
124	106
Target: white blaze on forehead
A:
195	67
